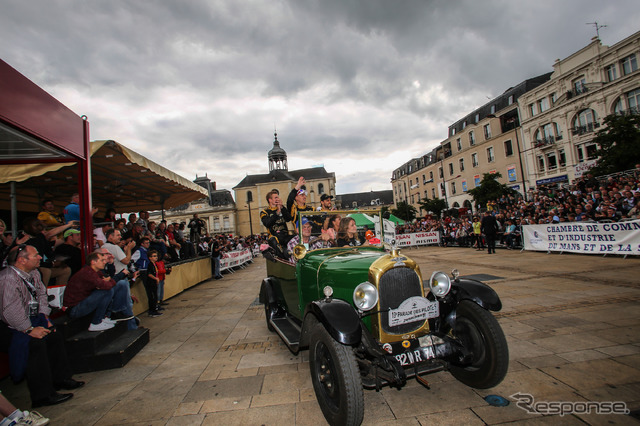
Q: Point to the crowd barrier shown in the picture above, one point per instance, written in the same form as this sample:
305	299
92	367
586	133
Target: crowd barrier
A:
621	238
414	239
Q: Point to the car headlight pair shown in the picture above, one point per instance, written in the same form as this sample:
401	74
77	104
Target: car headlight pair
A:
365	295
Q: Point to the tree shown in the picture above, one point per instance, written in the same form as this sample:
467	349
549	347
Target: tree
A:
490	189
405	211
434	206
619	144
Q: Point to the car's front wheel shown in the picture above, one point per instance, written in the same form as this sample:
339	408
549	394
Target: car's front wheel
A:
481	334
336	379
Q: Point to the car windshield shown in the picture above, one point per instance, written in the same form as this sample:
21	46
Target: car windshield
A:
340	228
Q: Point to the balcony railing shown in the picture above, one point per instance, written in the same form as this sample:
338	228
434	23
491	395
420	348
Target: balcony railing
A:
587	128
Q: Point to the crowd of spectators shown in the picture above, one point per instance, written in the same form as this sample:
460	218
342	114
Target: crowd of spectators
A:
610	199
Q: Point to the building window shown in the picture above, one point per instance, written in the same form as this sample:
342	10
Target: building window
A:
551	161
579	85
453	131
580	155
424	179
540	163
410	183
433	193
464	124
226	223
459	144
562	158
450	169
592	150
532	110
612	72
477	117
320	189
633	100
584	122
412	199
474	159
431	175
510	99
462	164
543	104
629	64
554	97
440	172
493	109
453	187
508	148
472	138
490	156
216	223
487	131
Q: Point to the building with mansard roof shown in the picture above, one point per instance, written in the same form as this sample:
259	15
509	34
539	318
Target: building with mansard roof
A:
250	193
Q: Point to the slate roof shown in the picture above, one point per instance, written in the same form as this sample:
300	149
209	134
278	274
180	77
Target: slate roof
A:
284	175
364	198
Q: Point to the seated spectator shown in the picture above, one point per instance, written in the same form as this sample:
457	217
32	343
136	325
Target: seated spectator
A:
49	216
174	246
5	243
69	252
10	415
122	280
122	255
310	243
348	235
98	234
510	234
143	220
89	292
72	210
110	216
132	220
36	350
38	238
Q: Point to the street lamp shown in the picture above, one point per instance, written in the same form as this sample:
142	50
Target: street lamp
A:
249	200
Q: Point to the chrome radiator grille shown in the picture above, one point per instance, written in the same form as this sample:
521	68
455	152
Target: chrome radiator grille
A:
397	285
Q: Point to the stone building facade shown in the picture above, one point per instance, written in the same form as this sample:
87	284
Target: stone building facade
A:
535	133
561	117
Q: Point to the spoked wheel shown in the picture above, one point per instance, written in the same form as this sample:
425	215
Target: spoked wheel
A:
481	334
336	379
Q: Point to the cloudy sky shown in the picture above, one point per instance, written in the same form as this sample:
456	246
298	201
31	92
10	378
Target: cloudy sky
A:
359	86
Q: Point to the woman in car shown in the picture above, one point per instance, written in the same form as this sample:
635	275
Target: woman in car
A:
348	234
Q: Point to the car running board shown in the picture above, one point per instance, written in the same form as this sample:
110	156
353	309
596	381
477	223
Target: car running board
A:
289	331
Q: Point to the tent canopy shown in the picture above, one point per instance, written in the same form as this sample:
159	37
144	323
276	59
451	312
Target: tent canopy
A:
396	220
120	178
361	219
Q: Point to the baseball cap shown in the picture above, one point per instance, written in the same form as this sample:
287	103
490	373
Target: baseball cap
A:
326	197
305	220
70	232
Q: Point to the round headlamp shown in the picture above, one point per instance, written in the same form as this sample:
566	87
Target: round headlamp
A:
439	284
365	296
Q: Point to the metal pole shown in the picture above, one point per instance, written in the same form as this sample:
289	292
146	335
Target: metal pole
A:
14	210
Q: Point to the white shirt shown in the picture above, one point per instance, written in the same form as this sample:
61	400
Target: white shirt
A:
118	255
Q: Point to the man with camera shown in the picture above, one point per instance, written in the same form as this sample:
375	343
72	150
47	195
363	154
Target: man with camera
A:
36	350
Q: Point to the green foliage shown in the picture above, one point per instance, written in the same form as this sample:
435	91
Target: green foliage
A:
435	206
490	189
405	211
619	144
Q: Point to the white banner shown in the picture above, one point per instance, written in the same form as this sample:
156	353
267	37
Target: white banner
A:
590	238
235	258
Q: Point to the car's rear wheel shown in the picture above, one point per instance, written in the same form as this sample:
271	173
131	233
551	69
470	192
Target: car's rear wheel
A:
336	379
481	334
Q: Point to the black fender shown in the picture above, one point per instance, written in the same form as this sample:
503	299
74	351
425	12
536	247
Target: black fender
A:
476	291
337	316
267	293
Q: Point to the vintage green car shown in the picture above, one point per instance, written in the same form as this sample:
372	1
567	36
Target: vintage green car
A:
370	321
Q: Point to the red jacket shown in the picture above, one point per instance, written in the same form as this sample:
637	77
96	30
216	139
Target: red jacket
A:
82	284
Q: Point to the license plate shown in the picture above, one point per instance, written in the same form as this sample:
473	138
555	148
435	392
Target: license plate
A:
415	355
413	309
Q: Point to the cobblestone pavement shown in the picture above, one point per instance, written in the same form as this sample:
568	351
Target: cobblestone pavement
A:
572	323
